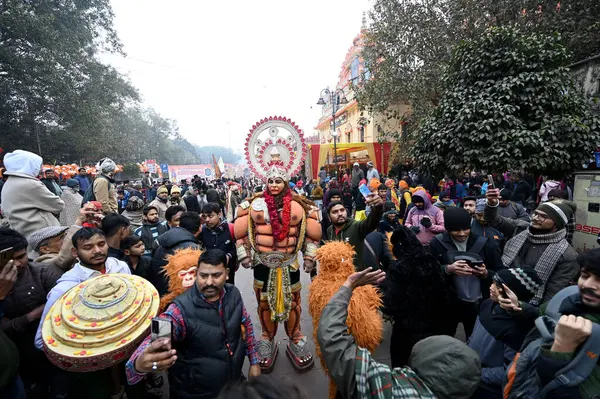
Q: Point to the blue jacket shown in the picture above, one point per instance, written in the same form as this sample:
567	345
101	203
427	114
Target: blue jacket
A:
487	231
84	183
495	356
461	190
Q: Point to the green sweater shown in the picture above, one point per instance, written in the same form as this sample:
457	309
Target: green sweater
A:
354	233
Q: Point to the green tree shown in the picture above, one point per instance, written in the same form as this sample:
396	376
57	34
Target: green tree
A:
408	42
58	100
509	104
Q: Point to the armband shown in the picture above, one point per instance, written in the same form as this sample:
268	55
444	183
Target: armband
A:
241	252
311	250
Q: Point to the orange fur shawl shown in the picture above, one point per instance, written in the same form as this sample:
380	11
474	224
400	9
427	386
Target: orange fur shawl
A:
364	320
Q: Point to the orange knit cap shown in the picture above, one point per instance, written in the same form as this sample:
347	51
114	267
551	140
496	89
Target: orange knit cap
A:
374	184
403	185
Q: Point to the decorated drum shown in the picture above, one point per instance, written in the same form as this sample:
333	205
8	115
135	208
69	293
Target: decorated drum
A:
99	322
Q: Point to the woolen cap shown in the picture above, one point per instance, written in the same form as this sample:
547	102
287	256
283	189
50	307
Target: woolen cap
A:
560	211
72	183
175	189
162	189
333	191
480	205
523	281
35	239
456	219
506	194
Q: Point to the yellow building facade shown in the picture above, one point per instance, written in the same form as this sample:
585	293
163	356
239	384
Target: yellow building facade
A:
351	124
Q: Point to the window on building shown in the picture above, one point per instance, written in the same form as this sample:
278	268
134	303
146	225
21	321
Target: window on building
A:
354	70
361	132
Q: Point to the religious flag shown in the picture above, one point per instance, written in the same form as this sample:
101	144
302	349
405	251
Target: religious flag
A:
217	169
221	165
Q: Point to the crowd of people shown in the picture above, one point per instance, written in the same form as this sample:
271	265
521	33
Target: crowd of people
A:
489	255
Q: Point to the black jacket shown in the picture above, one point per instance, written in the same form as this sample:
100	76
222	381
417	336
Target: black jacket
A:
117	254
143	267
168	243
212	195
522	192
29	291
220	237
377	253
490	253
213	351
191	203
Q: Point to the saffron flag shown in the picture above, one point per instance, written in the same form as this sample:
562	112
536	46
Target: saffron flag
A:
218	173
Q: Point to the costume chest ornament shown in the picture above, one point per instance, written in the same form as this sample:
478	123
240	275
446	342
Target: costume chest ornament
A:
259	204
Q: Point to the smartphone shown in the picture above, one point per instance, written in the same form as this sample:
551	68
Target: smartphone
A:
502	292
364	190
491	182
5	256
161	328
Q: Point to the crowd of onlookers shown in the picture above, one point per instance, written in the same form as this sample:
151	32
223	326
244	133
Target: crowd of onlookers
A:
493	257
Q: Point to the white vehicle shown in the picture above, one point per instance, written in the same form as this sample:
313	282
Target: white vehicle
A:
586	194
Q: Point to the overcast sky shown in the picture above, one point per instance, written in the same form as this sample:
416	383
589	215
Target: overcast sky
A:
217	67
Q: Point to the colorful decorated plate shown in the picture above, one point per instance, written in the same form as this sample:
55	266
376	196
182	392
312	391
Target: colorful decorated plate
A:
99	322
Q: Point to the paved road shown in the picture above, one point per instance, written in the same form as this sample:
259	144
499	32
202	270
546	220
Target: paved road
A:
314	381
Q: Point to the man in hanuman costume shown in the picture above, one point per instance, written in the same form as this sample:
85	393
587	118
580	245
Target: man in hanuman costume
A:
271	229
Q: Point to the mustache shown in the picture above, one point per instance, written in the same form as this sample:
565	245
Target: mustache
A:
589	292
208	287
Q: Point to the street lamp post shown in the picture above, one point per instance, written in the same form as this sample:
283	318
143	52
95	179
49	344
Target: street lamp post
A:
336	99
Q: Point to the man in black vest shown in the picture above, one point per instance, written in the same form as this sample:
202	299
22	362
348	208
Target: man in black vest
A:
211	332
470	282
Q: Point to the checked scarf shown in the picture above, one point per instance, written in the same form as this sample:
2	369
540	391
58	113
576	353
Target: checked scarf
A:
557	245
377	381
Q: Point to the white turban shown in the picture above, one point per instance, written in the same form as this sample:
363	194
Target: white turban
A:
106	165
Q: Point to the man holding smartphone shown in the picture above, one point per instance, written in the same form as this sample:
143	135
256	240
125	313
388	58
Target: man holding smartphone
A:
470	280
345	228
24	304
208	347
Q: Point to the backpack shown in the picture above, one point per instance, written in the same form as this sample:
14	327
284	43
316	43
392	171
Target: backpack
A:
89	193
522	380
